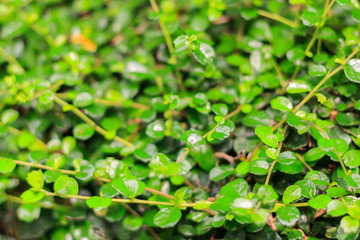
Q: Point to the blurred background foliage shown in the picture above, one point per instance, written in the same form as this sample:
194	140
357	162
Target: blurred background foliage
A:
168	94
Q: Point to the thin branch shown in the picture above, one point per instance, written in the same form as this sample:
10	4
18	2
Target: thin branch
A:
81	115
236	111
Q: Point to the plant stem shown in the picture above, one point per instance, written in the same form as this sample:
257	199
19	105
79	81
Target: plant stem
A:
117	200
335	151
41	204
169	44
49	39
53	87
270	171
305	204
230	115
304	162
86	119
19	132
277	18
310	95
327	8
267	181
109	102
72	172
10	59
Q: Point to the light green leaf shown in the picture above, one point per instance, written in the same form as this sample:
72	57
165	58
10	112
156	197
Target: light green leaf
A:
288	215
220	172
352	70
83	131
291	194
83	99
282	103
6	165
36	179
129	186
167	217
66	185
98	202
320	201
336	208
9	116
298	86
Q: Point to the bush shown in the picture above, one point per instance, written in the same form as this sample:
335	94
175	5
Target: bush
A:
217	119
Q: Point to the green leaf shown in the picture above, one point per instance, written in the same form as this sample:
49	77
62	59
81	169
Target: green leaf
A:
314	154
243	168
318	177
354	210
295	54
220	172
155	129
356	14
202	204
282	103
180	41
9	116
333	147
289	164
288	215
115	212
205	54
257	118
352	158
36	179
222	131
132	223
349	228
108	190
28	212
267	195
66	185
309	18
86	171
336	192
241	206
129	186
31	196
298	86
235	189
308	188
83	131
317	70
6	165
259	167
352	70
51	176
220	109
266	135
179	197
291	194
319	202
68	144
83	99
272	153
167	217
336	208
327	34
98	202
347	119
192	138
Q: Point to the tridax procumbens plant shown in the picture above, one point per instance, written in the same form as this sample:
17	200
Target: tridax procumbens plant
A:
219	119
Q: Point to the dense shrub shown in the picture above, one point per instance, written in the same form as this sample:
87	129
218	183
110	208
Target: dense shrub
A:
196	119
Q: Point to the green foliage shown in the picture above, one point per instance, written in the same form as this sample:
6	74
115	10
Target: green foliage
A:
169	119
